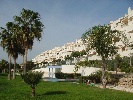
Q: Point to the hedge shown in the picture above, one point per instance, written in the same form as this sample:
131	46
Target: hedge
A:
67	75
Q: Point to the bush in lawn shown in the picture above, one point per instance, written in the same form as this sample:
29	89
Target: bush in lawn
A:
72	75
94	77
77	75
114	78
59	75
32	79
83	79
66	75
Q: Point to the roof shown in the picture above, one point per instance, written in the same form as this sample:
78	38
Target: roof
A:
54	67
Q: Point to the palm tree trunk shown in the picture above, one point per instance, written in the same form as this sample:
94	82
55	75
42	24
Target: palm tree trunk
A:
14	68
9	72
26	51
23	64
3	70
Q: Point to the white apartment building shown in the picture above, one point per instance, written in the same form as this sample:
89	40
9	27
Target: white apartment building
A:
59	52
124	24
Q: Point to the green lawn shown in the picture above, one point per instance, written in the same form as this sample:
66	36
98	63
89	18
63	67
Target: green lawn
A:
18	90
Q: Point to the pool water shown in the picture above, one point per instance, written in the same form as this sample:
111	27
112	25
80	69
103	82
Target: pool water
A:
60	80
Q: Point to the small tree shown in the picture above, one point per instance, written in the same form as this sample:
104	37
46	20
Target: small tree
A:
103	40
68	59
75	55
32	79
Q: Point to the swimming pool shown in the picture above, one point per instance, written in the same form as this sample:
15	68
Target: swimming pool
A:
60	80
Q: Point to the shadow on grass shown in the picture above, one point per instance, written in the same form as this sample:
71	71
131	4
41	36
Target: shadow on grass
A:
53	93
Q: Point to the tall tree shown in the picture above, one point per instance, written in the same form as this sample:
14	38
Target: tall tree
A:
102	39
6	36
17	47
30	28
10	42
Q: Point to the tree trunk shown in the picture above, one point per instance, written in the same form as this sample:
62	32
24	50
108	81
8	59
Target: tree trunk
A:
3	70
26	51
104	81
130	61
116	70
9	72
33	92
23	64
115	65
14	68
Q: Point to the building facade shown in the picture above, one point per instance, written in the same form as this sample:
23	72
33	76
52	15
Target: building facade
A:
123	24
59	52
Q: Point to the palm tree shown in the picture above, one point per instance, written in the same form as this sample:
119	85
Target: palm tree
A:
17	48
30	28
3	65
11	43
19	39
16	51
15	56
6	36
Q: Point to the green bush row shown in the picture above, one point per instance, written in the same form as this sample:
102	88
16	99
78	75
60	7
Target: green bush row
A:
84	79
67	75
96	78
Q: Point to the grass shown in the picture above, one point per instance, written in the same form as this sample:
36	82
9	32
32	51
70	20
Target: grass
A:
18	90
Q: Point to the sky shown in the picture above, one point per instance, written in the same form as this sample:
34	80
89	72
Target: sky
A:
64	20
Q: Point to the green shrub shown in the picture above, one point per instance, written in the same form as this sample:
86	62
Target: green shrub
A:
94	77
59	75
83	79
114	78
66	75
32	79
